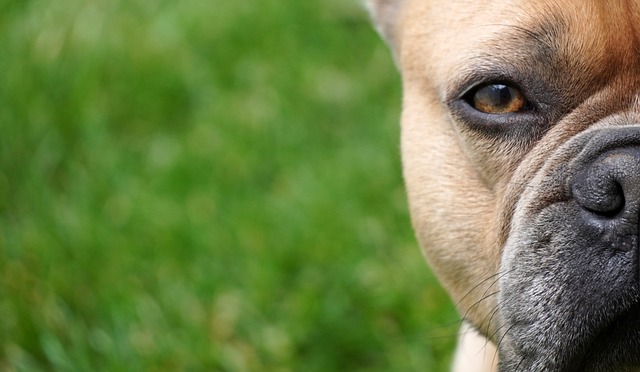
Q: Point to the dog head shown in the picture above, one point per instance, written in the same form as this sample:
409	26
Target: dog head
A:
521	157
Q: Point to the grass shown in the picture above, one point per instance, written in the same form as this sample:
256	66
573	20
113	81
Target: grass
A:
206	186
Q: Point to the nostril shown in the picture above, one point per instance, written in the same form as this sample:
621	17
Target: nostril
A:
609	184
599	193
606	206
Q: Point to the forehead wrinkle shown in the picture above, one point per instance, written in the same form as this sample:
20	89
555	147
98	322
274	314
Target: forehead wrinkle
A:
541	40
513	53
523	45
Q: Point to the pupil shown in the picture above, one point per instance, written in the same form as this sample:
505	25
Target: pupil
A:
502	94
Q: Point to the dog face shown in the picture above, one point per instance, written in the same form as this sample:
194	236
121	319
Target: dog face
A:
521	156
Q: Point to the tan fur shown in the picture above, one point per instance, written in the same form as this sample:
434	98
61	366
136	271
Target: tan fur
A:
386	15
462	188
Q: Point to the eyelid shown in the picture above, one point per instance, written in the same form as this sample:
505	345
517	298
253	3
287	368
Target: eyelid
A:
467	82
473	76
474	87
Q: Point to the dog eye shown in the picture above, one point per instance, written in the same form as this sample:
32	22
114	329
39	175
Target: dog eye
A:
497	99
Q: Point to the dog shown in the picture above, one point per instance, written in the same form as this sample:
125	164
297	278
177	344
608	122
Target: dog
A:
520	144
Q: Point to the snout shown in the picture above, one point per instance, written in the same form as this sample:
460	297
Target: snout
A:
570	296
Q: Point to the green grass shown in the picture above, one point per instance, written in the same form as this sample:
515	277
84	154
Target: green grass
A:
206	186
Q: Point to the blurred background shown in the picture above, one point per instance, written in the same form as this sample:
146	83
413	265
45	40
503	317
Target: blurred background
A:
206	185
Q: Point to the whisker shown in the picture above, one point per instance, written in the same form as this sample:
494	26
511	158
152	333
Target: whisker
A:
497	276
490	317
518	366
478	285
500	342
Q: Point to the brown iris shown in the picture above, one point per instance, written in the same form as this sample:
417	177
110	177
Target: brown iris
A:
498	99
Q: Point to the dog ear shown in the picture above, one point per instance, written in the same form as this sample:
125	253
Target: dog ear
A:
385	15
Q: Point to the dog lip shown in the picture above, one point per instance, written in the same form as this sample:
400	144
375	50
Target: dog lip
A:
588	357
603	347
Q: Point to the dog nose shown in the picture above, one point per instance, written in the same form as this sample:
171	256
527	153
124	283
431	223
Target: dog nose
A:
609	185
